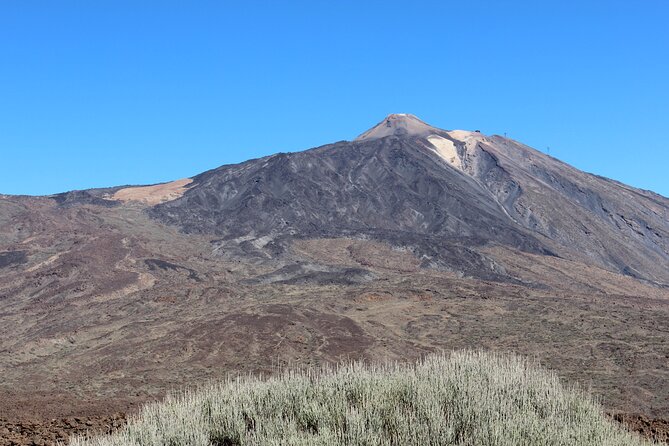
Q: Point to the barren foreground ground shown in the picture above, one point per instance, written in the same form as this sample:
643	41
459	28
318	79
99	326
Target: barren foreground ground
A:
81	339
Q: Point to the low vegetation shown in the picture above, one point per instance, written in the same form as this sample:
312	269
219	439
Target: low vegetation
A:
463	398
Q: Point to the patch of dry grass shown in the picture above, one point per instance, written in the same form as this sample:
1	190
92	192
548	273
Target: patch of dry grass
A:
463	398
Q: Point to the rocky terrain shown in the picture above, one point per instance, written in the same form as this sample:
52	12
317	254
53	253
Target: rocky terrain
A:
44	432
407	240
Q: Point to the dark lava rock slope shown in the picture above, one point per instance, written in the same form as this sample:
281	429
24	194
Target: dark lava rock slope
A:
442	194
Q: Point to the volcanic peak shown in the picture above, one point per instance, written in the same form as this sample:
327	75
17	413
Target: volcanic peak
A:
398	124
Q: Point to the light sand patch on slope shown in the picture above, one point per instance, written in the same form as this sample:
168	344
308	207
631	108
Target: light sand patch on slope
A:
446	149
47	262
470	139
159	193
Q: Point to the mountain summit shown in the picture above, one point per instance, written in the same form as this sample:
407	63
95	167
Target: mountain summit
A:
399	124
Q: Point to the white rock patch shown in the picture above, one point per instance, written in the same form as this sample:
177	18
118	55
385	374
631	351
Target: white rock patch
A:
446	150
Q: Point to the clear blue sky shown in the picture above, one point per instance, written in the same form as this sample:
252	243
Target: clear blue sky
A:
100	93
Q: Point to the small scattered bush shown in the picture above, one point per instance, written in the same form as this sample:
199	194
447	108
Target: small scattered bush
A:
462	398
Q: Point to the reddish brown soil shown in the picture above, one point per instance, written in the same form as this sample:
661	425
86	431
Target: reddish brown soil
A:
50	432
652	428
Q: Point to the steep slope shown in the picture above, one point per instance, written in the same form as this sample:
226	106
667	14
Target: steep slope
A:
590	217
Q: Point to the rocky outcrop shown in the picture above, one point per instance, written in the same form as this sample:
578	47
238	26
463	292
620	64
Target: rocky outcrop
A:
55	431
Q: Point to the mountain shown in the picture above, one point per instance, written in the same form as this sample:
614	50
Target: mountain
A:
443	193
406	240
